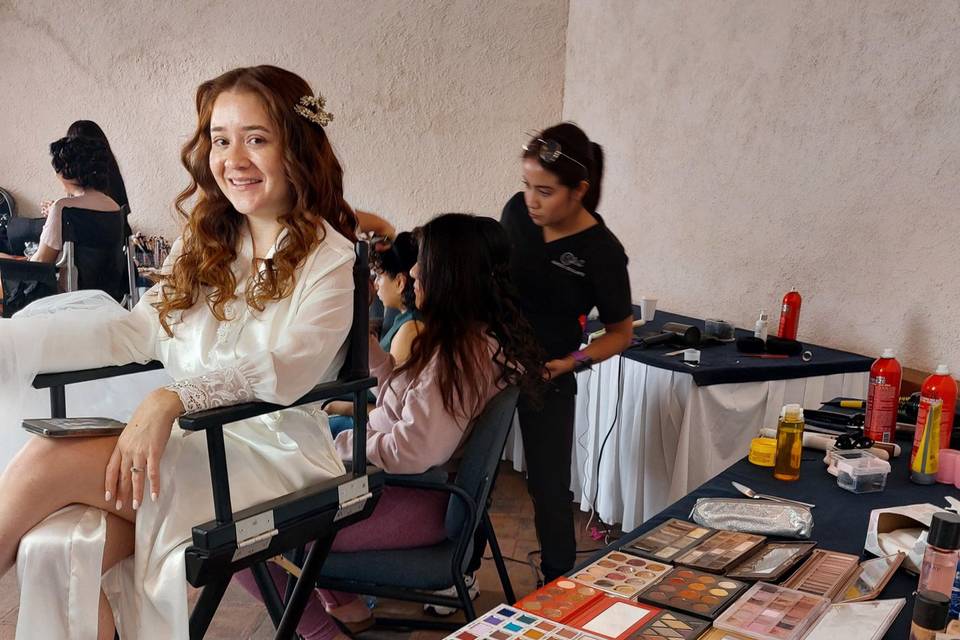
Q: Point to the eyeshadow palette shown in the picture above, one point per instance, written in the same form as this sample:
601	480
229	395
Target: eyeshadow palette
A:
769	612
669	624
721	551
508	623
870	580
720	634
669	540
825	573
621	574
702	594
613	618
862	620
559	600
772	562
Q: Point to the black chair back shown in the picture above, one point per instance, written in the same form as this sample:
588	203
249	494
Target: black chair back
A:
98	238
481	456
22	230
23	282
357	364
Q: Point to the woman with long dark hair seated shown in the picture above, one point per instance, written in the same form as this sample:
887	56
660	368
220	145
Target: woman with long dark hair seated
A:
116	188
474	342
82	166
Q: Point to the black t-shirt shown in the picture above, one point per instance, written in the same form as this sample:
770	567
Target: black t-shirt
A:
562	280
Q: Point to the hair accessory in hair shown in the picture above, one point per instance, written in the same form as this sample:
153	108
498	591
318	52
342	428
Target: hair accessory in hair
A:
312	108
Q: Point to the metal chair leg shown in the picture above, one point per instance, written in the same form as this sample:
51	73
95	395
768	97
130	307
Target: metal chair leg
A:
497	557
206	607
464	594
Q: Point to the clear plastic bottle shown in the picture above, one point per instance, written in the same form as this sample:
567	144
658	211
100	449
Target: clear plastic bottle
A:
789	443
760	327
939	566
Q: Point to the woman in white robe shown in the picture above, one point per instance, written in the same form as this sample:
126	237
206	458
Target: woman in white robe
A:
271	346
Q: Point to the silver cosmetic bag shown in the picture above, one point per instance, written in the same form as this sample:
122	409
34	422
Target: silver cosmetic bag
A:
764	517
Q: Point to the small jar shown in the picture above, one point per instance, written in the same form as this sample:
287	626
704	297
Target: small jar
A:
929	615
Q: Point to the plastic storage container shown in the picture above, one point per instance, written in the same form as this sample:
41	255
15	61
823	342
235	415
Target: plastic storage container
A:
864	473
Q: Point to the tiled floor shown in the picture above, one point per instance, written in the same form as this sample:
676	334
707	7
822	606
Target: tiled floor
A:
241	617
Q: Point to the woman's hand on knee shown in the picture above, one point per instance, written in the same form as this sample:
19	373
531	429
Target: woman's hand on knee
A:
136	458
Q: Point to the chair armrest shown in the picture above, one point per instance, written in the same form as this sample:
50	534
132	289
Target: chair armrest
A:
47	380
210	418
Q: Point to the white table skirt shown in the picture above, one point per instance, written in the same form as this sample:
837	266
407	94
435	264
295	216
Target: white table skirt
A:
670	435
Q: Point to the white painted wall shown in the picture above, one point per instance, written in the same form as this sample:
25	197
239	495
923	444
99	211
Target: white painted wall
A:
756	145
430	97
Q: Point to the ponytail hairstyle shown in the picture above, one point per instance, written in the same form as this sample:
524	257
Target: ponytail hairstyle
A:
467	295
579	159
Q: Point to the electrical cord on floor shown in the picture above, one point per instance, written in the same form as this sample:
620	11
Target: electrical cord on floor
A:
594	508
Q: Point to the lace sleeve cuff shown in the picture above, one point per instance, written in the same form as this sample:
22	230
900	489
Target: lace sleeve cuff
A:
215	389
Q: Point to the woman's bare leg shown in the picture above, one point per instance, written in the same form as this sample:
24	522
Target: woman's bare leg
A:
120	541
47	475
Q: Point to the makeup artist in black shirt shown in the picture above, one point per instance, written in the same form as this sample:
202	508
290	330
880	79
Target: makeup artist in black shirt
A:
565	262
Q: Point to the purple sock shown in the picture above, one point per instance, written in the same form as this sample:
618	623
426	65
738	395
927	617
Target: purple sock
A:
316	623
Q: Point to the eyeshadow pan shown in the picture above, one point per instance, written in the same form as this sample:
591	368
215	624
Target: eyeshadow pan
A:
721	551
621	575
693	591
769	612
507	623
670	624
667	541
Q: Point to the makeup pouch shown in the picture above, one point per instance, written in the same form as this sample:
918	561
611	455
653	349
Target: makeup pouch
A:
754	516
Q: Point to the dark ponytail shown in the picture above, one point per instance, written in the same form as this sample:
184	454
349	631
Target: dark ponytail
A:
577	152
592	198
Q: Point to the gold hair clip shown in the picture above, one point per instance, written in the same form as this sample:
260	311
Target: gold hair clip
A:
312	108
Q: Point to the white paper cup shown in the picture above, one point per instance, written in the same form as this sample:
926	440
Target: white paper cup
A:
648	309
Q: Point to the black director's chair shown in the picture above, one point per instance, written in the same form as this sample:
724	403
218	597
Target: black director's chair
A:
247	539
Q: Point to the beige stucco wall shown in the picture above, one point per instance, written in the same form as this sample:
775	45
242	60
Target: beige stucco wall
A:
757	145
430	97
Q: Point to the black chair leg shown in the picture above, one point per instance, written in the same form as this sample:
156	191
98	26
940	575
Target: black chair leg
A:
464	594
304	587
497	557
268	589
206	607
296	558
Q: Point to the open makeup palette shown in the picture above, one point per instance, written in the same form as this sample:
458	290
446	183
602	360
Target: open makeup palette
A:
613	618
669	540
842	577
559	600
621	574
721	551
769	612
701	594
670	624
772	562
507	623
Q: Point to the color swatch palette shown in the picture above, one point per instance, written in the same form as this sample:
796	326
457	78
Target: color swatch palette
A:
669	624
507	623
669	540
769	612
621	574
702	594
559	600
721	551
825	574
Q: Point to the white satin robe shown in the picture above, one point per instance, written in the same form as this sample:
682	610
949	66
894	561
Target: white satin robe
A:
275	355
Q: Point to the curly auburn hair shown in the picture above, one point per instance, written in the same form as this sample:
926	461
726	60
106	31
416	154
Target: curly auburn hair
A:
211	239
82	160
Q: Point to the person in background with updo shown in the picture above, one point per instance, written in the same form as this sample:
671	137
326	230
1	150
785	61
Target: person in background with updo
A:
565	262
82	166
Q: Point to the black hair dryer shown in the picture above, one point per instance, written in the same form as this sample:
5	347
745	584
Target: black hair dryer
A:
684	334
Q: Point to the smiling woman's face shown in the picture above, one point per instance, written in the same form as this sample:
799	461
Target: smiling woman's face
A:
246	157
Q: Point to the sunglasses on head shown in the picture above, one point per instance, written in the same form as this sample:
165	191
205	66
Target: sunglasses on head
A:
549	151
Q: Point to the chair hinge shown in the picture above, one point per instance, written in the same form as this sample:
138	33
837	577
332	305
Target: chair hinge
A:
254	534
353	497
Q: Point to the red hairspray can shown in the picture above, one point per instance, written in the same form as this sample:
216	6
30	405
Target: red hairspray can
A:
883	398
790	315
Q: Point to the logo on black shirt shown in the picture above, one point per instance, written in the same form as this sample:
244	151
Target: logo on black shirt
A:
571	263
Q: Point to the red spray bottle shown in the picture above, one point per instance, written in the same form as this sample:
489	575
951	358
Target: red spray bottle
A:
883	398
790	315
